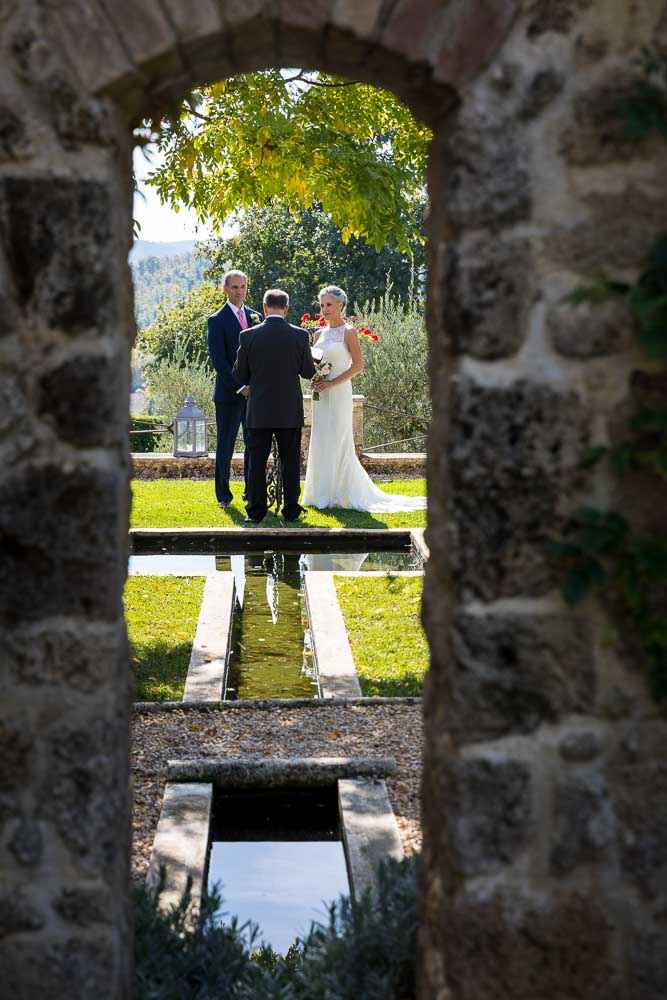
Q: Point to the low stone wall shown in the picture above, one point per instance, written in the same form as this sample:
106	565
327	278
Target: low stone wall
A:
160	465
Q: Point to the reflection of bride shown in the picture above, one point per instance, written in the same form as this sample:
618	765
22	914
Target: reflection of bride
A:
334	475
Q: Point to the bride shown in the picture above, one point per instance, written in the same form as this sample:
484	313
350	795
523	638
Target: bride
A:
334	474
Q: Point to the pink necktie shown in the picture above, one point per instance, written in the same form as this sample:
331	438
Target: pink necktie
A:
243	320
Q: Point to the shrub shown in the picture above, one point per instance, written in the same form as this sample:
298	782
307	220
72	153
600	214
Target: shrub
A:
367	950
148	441
172	379
395	375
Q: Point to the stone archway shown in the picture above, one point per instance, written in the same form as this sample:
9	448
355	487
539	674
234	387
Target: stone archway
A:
542	865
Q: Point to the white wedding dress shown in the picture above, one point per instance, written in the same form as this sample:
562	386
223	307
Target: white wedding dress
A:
334	474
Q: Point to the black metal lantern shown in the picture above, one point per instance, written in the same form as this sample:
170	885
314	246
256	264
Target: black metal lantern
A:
190	431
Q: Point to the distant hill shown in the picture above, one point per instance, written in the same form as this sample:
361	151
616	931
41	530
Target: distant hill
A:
144	248
162	278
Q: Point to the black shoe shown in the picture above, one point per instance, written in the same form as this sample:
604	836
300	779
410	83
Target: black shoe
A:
252	520
293	515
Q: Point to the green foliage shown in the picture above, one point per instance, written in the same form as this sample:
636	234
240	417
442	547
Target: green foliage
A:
395	376
181	323
158	280
146	442
301	254
178	503
172	379
312	138
161	614
599	549
382	619
645	112
367	949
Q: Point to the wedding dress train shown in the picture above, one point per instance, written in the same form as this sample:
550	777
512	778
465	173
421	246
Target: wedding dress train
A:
334	475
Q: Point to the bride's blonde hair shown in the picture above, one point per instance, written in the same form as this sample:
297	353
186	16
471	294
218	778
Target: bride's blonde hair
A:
335	292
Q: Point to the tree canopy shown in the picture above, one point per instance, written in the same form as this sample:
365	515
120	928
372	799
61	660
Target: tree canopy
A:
275	249
302	139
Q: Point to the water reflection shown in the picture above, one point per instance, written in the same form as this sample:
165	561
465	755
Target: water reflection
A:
281	886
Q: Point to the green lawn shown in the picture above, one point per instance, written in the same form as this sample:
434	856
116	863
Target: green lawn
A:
190	503
382	620
161	614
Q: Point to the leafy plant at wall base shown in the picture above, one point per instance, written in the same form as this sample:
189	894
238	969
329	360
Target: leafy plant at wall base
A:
366	949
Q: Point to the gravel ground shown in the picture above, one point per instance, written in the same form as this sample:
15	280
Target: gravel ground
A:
325	731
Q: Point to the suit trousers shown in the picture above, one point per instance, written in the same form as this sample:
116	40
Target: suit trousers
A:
258	449
229	416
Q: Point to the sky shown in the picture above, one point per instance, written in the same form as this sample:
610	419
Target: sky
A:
159	224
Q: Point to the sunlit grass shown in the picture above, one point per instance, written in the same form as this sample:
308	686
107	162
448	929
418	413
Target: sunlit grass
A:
189	503
382	620
161	614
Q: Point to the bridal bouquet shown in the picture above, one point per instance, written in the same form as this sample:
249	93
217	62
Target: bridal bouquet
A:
322	369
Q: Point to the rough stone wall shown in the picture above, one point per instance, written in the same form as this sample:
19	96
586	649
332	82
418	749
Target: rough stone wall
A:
64	356
545	789
544	852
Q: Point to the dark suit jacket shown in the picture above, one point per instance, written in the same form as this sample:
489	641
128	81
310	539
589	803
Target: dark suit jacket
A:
223	343
271	357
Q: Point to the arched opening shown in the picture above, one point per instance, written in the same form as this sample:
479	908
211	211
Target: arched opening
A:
520	181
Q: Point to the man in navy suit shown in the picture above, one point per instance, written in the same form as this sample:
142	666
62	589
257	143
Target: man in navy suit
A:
224	329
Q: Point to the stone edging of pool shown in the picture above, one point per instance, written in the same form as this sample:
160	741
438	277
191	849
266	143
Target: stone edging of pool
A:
269	704
210	649
180	848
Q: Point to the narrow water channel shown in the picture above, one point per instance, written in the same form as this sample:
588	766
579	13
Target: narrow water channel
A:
270	654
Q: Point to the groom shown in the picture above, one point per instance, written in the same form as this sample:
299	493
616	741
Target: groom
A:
224	328
270	359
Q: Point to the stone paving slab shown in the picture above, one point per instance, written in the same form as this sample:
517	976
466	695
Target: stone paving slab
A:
206	672
297	772
267	704
370	830
181	841
333	656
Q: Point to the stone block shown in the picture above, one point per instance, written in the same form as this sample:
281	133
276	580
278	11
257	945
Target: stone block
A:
17	912
486	171
557	16
411	27
13	136
618	233
144	29
490	289
85	793
579	747
543	87
310	14
83	399
489	813
589	330
369	829
637	777
359	19
512	673
196	20
583	823
506	946
83	907
16	765
514	455
59	531
472	33
597	133
27	843
57	242
75	654
647	964
92	45
73	969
